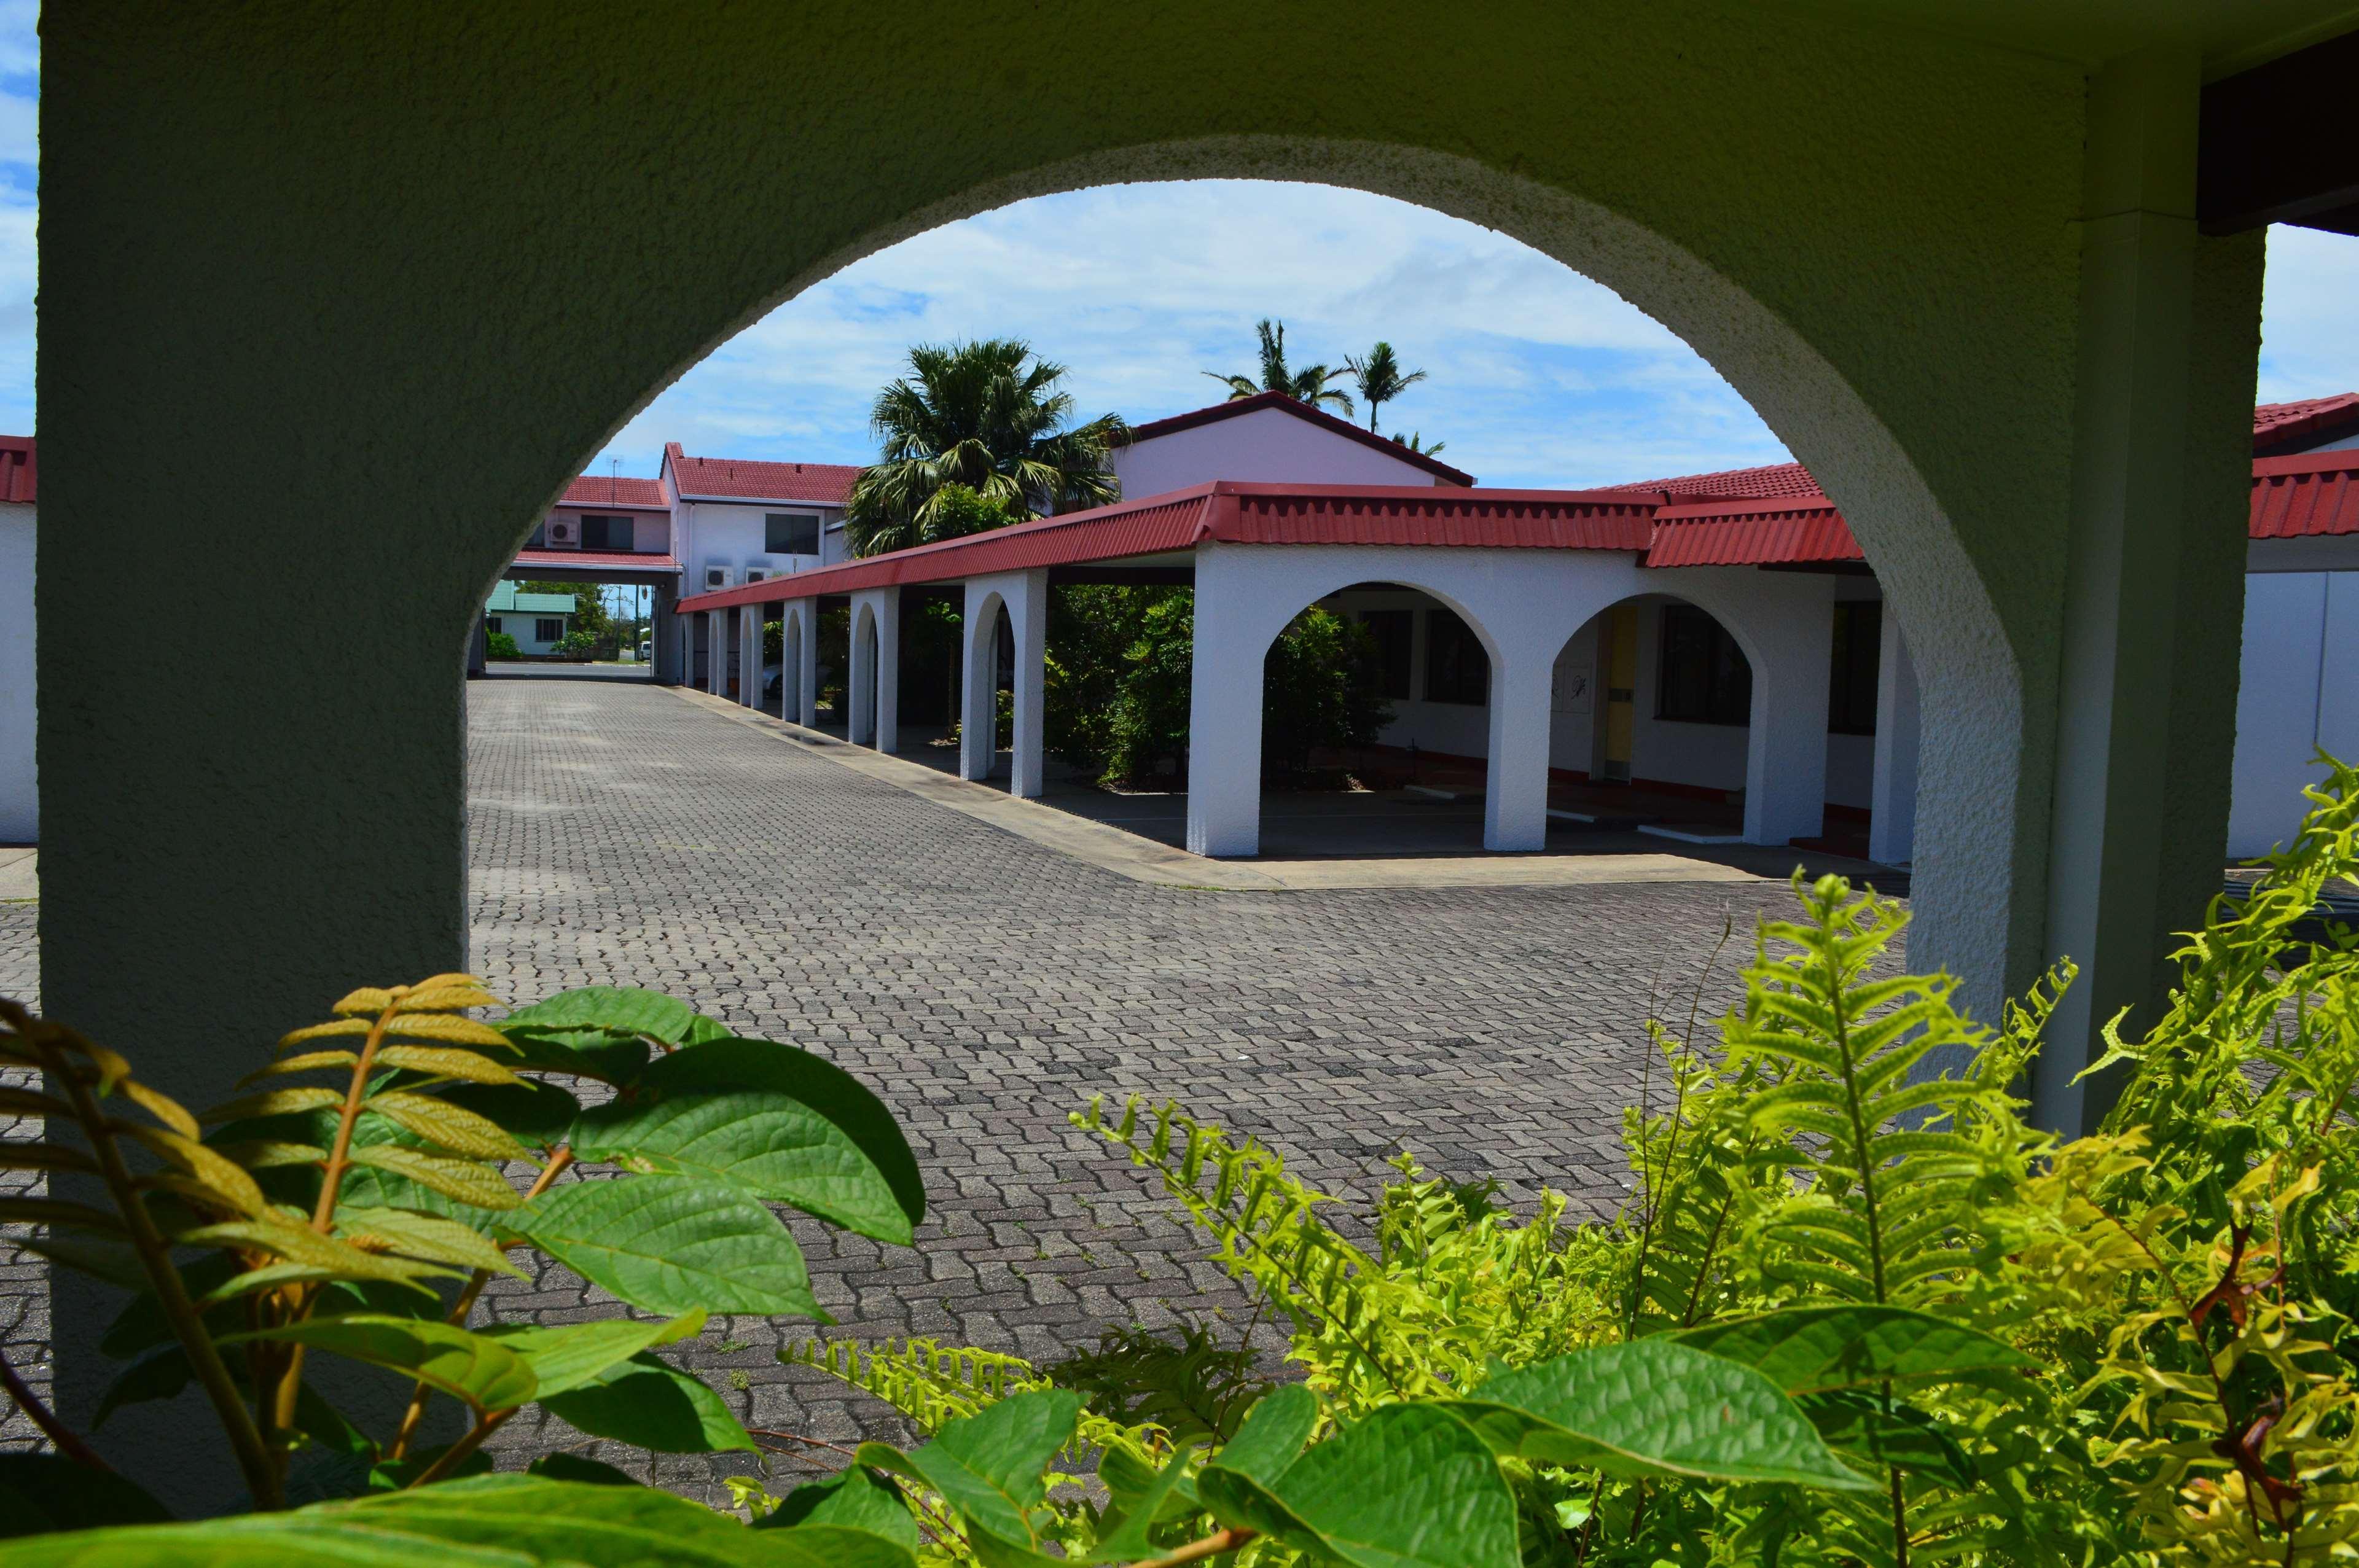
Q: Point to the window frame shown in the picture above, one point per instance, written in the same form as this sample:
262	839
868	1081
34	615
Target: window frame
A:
1855	659
771	522
1725	698
1455	660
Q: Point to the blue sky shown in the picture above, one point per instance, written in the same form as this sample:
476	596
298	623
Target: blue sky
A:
1535	376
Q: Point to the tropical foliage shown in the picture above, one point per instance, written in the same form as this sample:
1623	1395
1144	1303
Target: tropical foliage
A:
976	436
1380	378
1309	384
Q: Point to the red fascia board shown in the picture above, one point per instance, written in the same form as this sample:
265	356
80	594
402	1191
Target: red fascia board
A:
1302	411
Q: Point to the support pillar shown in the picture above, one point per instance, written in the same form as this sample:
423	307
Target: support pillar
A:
1224	698
1024	596
860	685
805	680
882	683
716	653
1515	794
664	639
749	656
1892	801
2153	579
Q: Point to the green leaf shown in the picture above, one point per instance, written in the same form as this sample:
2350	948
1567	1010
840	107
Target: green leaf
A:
45	1492
1807	1350
649	1403
447	1062
300	1245
1273	1435
845	1100
160	1375
575	1467
115	1262
769	1143
468	1181
427	1235
1409	1487
275	1102
670	1243
622	1009
582	1052
446	1126
857	1499
1655	1408
1124	1535
488	1521
1905	1437
532	1109
988	1466
474	1367
570	1355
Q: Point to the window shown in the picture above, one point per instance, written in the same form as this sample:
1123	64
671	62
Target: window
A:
492	625
790	533
1859	648
1390	629
1703	678
606	534
1456	667
540	540
548	628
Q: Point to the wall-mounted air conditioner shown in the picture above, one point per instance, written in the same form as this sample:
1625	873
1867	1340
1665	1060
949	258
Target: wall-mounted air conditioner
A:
718	576
760	574
564	532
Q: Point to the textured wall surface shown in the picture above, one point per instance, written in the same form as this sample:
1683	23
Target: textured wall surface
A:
338	254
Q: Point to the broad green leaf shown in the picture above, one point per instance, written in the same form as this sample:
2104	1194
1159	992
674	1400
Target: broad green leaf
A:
1272	1434
446	1126
427	1235
1904	1437
568	1355
1655	1408
734	1064
469	1181
622	1009
857	1499
1408	1486
474	1367
1124	1533
988	1466
649	1403
703	1031
768	1142
159	1375
489	1521
671	1243
1808	1350
43	1492
531	1110
582	1052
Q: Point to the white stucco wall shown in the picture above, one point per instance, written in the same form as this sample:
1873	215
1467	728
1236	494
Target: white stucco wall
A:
2299	693
1267	444
732	533
650	531
20	808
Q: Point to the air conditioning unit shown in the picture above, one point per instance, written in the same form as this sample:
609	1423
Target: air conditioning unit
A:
563	532
760	574
718	576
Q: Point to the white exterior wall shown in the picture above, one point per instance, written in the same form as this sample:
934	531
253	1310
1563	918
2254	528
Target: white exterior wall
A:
733	533
522	625
1267	444
650	531
2299	694
20	804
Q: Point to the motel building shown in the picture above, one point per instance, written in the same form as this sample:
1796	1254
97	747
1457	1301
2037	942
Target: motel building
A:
1717	638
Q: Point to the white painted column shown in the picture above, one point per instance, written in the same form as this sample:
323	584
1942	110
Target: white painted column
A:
1514	795
1225	706
716	652
1892	802
860	684
878	711
749	656
1024	595
979	681
1028	616
806	665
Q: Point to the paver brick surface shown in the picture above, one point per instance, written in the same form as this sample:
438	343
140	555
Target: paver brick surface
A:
986	987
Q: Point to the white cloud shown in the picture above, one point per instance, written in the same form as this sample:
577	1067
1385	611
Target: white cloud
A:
2310	315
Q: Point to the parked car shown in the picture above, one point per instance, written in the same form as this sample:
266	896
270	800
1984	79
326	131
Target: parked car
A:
647	649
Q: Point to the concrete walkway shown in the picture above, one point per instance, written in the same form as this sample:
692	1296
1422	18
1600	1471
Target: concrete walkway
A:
20	875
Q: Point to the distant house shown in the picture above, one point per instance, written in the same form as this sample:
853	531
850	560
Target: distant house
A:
1267	437
537	621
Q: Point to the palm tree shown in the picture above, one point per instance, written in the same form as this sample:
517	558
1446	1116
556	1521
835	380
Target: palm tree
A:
1307	385
984	417
1415	442
1381	379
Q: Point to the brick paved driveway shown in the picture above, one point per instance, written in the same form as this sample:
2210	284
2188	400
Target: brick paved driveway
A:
985	986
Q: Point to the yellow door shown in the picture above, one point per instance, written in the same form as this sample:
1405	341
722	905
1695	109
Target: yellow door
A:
1621	686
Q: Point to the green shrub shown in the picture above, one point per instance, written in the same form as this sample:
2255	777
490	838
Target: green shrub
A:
1320	690
578	645
503	646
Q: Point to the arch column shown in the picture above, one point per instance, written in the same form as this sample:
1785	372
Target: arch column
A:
664	640
860	683
1024	595
716	652
1232	631
876	709
1892	801
797	663
749	656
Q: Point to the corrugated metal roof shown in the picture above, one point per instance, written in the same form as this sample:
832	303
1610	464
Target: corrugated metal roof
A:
1238	513
2309	495
1751	534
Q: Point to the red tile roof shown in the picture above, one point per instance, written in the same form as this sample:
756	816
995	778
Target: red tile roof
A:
1304	412
610	490
1752	533
741	479
2306	495
18	469
1769	482
1235	511
2279	424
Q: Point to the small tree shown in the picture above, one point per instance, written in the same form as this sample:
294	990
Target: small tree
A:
1148	724
1307	385
1381	378
1320	688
